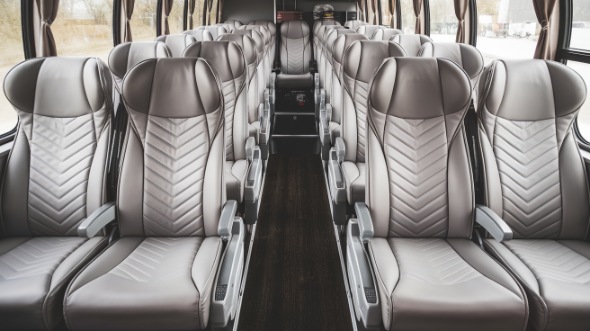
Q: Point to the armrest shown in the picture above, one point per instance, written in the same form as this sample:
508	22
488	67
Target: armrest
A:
492	223
264	118
96	221
226	219
254	178
340	149
316	81
250	145
325	117
364	220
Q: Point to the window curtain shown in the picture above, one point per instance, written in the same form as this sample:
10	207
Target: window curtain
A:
418	4
166	9
192	4
372	11
361	6
392	9
548	16
127	13
220	12
47	14
460	11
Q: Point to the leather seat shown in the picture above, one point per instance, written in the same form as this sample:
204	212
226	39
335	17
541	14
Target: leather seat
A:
272	28
295	54
214	30
200	34
265	64
430	275
227	59
353	24
411	43
235	23
54	179
386	34
535	179
369	30
464	55
359	64
329	61
160	274
322	58
316	29
177	43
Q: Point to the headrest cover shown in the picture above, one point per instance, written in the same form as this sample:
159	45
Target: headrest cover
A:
246	44
364	57
342	44
177	42
172	88
125	56
411	43
59	87
294	30
225	57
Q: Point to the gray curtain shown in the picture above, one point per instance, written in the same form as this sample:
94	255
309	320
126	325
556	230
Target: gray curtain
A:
192	4
548	16
460	11
47	14
418	13
127	14
166	9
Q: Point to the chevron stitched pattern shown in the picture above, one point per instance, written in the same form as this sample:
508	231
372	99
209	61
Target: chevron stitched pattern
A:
37	257
159	260
551	261
228	89
527	157
361	94
431	260
62	150
296	55
176	153
416	154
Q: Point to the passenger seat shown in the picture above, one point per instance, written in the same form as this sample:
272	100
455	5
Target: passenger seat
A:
54	206
200	34
411	43
295	55
177	43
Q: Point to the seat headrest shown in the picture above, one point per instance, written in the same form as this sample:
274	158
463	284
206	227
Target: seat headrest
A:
419	88
294	30
334	34
225	57
362	59
235	23
246	44
263	30
272	28
173	88
343	42
125	56
200	34
530	90
368	30
59	87
177	42
256	37
466	56
389	33
411	43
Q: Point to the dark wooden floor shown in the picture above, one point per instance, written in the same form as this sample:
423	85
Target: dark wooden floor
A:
294	279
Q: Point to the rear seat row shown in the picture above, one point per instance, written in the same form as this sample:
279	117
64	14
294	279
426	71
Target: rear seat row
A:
403	154
177	258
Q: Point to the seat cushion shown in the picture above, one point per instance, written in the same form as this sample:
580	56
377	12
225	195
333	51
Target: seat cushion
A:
146	284
452	282
556	276
235	177
295	82
355	175
34	273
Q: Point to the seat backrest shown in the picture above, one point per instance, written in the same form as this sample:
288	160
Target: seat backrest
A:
177	43
354	24
368	30
534	176
331	40
411	43
419	182
272	28
386	34
295	47
359	64
235	23
55	175
258	42
171	180
248	48
227	59
229	28
318	24
127	55
466	56
215	30
200	34
263	31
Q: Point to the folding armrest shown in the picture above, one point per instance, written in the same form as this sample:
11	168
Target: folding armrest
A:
324	131
98	220
226	219
492	223
253	181
365	223
264	133
336	182
360	272
319	97
227	284
272	92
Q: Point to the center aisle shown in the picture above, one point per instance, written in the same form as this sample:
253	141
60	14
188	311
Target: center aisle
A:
294	279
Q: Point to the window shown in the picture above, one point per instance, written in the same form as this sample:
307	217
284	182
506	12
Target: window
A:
408	17
143	20
443	21
11	53
386	17
506	29
175	20
84	28
580	24
584	116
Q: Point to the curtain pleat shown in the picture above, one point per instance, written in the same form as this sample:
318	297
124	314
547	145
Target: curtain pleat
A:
418	15
166	9
192	4
47	14
128	6
460	12
547	15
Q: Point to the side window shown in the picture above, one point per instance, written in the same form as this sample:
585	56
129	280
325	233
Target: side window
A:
408	17
506	29
176	17
84	28
143	20
11	53
443	21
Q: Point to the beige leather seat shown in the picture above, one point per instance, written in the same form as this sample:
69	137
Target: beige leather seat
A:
272	28
177	43
411	43
354	24
465	56
369	30
54	182
161	273
536	181
418	218
200	34
295	55
386	34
